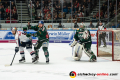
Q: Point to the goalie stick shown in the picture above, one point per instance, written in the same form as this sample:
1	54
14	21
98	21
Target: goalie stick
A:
12	60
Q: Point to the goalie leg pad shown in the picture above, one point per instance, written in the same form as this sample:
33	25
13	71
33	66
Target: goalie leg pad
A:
90	54
73	43
78	52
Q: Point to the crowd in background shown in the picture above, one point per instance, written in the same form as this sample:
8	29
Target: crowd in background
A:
48	10
5	11
104	15
78	8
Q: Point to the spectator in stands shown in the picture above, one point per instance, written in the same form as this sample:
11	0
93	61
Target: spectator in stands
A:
69	19
74	19
114	13
15	16
6	4
54	13
97	24
8	20
101	14
40	16
104	8
91	25
12	5
65	8
94	18
8	9
59	3
105	18
55	18
33	16
47	16
46	10
79	8
42	4
80	14
28	25
118	25
7	15
61	14
14	9
111	8
69	6
60	26
75	13
89	5
76	25
76	5
37	6
2	10
1	16
31	4
49	3
113	25
84	3
59	9
33	10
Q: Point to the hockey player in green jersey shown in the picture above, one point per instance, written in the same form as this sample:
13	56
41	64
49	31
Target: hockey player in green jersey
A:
43	39
82	41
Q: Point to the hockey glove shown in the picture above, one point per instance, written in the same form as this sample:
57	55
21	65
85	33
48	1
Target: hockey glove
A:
16	49
36	44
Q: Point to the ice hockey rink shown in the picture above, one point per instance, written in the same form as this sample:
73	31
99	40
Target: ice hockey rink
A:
61	64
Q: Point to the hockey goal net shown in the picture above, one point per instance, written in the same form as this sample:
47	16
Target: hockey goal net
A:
108	44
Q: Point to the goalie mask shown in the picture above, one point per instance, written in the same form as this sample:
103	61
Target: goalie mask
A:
82	25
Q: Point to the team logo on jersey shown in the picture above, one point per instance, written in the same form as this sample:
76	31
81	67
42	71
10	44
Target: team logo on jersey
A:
72	74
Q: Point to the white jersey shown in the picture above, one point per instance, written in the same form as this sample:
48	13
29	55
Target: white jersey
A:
20	37
101	28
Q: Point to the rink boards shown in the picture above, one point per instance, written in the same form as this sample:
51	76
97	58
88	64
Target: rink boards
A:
55	36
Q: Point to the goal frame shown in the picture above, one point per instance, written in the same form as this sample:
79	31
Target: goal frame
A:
112	43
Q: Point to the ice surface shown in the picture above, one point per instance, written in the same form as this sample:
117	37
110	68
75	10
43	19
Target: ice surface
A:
61	63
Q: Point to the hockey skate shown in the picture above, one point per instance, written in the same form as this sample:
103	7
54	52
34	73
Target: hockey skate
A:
22	60
93	59
47	59
37	57
104	46
34	60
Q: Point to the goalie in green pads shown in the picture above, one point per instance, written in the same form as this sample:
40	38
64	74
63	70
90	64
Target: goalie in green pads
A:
82	41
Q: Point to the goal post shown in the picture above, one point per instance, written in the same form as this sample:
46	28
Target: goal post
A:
112	40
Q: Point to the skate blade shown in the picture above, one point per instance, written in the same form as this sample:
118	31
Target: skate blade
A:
21	61
35	62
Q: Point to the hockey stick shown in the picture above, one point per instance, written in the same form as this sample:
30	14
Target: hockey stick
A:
12	60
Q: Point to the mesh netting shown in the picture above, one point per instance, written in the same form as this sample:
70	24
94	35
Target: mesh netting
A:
109	44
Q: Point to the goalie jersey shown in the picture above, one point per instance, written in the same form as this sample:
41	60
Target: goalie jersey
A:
21	37
82	35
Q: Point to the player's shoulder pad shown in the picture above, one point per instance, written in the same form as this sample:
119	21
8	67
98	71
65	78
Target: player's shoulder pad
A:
19	33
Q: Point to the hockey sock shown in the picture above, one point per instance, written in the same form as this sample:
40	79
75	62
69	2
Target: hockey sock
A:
22	54
32	54
46	53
